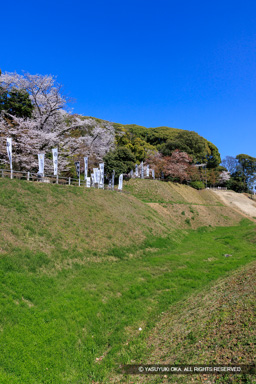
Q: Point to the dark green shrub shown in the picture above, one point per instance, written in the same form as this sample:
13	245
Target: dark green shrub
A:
197	184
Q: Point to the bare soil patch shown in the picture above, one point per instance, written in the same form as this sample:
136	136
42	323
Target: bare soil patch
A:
238	201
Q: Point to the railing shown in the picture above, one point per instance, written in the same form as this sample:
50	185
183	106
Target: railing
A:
218	188
30	176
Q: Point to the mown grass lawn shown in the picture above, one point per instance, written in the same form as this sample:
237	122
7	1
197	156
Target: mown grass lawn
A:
78	323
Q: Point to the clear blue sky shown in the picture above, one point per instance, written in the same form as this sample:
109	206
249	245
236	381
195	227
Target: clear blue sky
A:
184	64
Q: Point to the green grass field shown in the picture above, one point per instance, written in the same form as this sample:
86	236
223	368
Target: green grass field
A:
70	312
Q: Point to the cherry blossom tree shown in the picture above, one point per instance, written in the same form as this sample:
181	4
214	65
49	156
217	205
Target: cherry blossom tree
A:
157	162
224	177
44	92
48	126
177	165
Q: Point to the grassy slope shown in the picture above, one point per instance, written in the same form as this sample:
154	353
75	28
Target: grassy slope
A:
81	270
217	326
52	218
184	205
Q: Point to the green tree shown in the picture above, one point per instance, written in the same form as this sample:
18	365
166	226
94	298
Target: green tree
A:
247	168
122	160
236	182
213	158
160	135
16	103
201	150
139	147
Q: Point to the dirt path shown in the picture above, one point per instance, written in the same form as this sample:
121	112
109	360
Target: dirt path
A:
239	202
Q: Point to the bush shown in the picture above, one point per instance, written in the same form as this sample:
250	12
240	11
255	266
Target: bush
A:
122	160
197	184
236	185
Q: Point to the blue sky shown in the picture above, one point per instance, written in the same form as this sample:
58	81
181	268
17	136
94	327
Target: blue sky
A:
183	64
